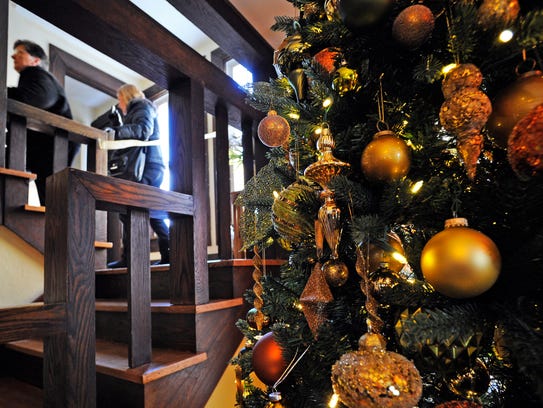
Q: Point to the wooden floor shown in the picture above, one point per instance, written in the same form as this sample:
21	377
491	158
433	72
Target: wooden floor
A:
17	394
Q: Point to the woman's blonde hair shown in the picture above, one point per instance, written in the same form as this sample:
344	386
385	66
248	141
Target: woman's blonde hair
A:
129	92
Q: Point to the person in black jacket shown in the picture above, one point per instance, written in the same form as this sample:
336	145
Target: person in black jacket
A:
37	87
140	122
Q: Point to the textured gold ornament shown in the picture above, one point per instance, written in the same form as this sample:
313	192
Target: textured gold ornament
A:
460	262
513	103
386	158
273	130
413	26
469	144
460	77
494	13
329	216
525	145
453	354
258	316
459	404
314	298
468	108
331	9
335	272
345	80
471	382
375	378
289	54
327	167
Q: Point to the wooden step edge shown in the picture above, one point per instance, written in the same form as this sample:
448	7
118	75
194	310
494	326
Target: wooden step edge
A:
18	173
218	263
35	208
164	306
112	360
19	394
124	271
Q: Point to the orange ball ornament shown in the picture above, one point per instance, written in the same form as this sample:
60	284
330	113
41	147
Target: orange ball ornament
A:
273	130
268	362
386	158
460	262
327	58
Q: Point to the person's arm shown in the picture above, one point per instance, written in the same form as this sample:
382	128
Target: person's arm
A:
141	124
36	89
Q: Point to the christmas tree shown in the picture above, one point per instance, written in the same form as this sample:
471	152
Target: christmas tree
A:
404	184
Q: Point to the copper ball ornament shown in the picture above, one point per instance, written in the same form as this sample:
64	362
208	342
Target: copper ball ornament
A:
513	103
461	76
413	26
360	14
268	362
469	108
386	158
375	378
273	130
327	58
335	272
525	146
460	262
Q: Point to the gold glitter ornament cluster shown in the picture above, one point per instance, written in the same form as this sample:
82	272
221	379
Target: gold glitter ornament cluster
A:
375	378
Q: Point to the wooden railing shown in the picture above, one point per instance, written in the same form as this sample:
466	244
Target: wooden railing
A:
66	320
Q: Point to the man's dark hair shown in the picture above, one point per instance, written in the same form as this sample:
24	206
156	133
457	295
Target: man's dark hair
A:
32	48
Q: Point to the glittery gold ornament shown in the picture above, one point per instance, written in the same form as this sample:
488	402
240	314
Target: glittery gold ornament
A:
345	80
413	26
461	76
335	272
460	262
314	298
471	382
267	360
375	378
468	108
498	13
469	144
273	130
525	146
386	158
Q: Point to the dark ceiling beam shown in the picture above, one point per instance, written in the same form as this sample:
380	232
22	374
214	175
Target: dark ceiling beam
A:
125	33
227	27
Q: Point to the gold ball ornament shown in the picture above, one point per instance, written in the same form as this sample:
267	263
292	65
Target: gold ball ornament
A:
268	362
386	158
375	378
468	108
413	26
345	80
461	76
525	145
494	13
513	103
470	383
273	130
376	253
460	262
335	272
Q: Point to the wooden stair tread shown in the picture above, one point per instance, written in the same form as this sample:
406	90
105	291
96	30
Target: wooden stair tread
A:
112	359
18	394
164	306
18	173
123	271
243	262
